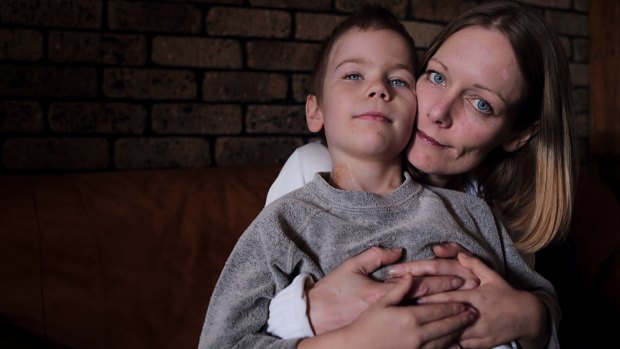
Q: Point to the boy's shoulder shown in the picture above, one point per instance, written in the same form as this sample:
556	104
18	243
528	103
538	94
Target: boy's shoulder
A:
471	212
297	203
460	201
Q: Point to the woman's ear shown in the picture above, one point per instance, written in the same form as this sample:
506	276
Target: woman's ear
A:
314	115
519	138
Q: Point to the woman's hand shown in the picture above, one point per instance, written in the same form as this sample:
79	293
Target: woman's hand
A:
339	298
389	324
505	314
438	268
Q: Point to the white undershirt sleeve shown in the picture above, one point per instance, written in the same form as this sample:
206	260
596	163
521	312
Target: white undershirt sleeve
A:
288	310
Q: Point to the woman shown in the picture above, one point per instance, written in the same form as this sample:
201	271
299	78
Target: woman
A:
480	128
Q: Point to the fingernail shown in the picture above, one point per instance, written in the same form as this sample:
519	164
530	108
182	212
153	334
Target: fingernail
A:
393	271
456	283
420	300
473	313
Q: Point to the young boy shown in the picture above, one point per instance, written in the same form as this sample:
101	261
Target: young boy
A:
365	103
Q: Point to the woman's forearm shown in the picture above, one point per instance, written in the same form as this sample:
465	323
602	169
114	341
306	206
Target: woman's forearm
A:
333	339
536	323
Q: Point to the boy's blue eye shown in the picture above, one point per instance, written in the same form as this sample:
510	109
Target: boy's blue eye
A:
353	76
482	105
436	78
398	83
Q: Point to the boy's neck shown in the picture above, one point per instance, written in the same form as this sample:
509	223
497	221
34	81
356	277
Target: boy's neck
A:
373	177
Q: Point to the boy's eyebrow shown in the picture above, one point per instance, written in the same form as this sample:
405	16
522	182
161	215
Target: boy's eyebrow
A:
404	66
350	60
362	60
475	85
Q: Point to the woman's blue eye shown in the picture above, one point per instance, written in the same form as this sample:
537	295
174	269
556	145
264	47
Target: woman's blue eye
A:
482	105
436	78
398	83
353	76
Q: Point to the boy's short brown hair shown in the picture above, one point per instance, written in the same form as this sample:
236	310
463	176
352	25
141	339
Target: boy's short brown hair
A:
369	17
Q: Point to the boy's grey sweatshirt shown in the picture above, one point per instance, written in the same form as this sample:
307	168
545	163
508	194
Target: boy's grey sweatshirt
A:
316	228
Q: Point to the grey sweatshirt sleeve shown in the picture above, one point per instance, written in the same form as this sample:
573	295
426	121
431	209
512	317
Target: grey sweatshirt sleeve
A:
239	306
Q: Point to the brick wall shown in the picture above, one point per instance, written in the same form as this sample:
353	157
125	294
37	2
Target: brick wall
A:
93	85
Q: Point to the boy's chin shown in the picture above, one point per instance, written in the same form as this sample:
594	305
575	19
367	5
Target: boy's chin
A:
379	152
381	148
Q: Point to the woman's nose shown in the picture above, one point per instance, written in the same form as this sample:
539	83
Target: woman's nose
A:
440	112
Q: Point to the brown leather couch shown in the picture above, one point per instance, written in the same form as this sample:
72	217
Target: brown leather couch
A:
129	259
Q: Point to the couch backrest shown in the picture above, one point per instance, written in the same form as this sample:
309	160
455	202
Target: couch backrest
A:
121	259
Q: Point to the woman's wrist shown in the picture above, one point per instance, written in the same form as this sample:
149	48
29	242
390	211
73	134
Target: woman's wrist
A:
534	322
335	339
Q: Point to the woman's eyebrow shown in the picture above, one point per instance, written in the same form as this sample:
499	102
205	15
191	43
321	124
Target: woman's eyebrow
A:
445	67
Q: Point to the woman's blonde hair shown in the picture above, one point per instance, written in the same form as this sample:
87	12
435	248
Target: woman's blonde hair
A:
533	187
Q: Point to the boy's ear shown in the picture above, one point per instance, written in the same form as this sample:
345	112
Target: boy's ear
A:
519	138
314	115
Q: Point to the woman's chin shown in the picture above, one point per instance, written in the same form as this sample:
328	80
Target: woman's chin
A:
422	162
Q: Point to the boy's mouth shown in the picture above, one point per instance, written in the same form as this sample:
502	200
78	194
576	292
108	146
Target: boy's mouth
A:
373	116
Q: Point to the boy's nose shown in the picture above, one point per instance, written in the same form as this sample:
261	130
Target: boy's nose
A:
379	89
382	94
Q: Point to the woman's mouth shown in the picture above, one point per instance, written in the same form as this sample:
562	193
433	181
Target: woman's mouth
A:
427	139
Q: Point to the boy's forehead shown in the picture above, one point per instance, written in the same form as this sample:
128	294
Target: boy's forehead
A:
356	43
